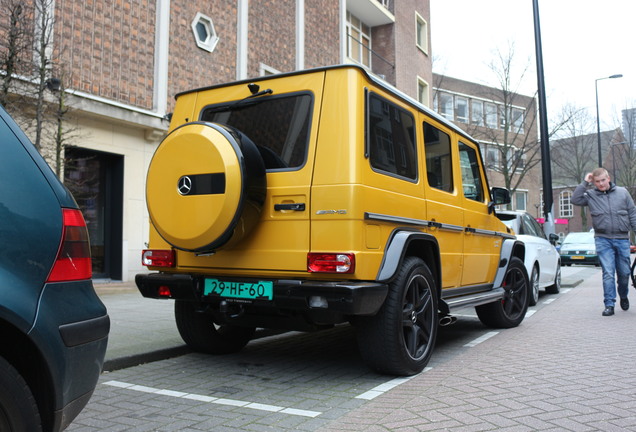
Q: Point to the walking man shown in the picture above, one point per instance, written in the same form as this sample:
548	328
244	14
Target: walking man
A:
613	214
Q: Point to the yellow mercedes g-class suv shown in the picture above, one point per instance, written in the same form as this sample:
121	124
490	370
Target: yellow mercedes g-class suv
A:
305	200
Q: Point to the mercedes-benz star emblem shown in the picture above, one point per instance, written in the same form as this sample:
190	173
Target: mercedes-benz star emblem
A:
185	185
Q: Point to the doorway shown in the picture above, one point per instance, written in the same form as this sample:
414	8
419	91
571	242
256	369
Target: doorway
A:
96	180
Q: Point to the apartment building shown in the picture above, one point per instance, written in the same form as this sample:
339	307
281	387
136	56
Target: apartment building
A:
123	61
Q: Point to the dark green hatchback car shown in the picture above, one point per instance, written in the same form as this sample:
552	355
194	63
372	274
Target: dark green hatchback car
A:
53	327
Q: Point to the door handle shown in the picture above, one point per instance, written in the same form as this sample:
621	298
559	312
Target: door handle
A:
290	206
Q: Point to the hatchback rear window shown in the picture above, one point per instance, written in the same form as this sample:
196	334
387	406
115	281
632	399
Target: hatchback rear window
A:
278	125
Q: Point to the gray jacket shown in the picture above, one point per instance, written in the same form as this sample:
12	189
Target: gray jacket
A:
613	211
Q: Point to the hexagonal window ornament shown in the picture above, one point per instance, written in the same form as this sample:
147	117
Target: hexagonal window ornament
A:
204	33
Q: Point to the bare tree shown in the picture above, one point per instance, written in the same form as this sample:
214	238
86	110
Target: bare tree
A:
574	154
43	48
622	152
518	150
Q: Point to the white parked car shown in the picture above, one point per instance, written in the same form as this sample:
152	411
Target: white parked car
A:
542	260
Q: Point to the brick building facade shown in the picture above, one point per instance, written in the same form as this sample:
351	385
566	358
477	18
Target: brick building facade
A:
123	61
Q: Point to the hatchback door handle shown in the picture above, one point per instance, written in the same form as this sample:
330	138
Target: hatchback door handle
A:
290	206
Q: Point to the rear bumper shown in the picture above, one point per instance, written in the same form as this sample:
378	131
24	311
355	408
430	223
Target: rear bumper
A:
343	297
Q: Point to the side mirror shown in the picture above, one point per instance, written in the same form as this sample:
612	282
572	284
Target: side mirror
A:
553	238
499	196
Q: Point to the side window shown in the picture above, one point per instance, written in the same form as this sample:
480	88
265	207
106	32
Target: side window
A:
471	177
439	167
535	227
391	138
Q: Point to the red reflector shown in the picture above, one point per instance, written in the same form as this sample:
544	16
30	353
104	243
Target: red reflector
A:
73	260
164	291
330	263
158	258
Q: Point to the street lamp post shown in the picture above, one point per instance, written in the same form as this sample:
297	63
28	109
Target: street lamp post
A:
598	120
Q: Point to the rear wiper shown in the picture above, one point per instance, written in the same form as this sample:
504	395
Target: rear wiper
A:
254	88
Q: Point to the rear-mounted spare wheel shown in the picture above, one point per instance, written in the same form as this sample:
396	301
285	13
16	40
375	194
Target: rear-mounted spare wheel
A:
206	186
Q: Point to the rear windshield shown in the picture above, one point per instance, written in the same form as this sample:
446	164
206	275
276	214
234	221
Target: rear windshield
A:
278	125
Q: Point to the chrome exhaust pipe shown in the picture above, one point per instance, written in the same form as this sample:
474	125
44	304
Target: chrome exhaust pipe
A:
447	320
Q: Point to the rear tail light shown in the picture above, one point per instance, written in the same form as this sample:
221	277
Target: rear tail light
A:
73	260
158	258
331	263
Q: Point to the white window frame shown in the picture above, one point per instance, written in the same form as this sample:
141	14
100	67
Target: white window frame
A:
566	209
264	70
360	47
421	33
523	196
423	92
209	43
490	115
442	103
477	115
460	100
517	119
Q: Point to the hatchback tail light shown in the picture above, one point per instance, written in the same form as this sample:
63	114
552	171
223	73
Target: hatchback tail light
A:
331	262
73	260
158	258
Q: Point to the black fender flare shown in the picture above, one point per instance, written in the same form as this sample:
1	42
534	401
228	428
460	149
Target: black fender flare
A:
403	242
510	247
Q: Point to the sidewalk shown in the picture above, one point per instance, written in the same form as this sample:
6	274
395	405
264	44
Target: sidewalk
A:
144	330
565	368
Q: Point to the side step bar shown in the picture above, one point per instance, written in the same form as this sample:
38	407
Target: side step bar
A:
475	299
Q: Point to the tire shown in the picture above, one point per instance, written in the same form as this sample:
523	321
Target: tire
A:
399	340
511	309
206	186
534	286
199	332
556	287
18	409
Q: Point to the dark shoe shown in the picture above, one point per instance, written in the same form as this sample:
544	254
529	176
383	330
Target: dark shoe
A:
609	310
624	303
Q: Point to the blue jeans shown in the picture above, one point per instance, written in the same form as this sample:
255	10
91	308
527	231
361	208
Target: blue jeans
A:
614	257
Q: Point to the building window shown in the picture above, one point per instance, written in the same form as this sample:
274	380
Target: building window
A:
444	105
477	113
566	210
421	33
516	159
461	109
491	115
492	157
358	41
422	92
204	33
517	120
521	200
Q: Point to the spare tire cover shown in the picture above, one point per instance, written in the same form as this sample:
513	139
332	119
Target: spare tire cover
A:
206	186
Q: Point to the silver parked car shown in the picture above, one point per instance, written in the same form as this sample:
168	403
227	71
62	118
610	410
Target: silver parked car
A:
542	260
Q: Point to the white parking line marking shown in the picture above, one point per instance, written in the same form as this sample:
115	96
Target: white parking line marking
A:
219	401
550	300
382	388
530	313
481	339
